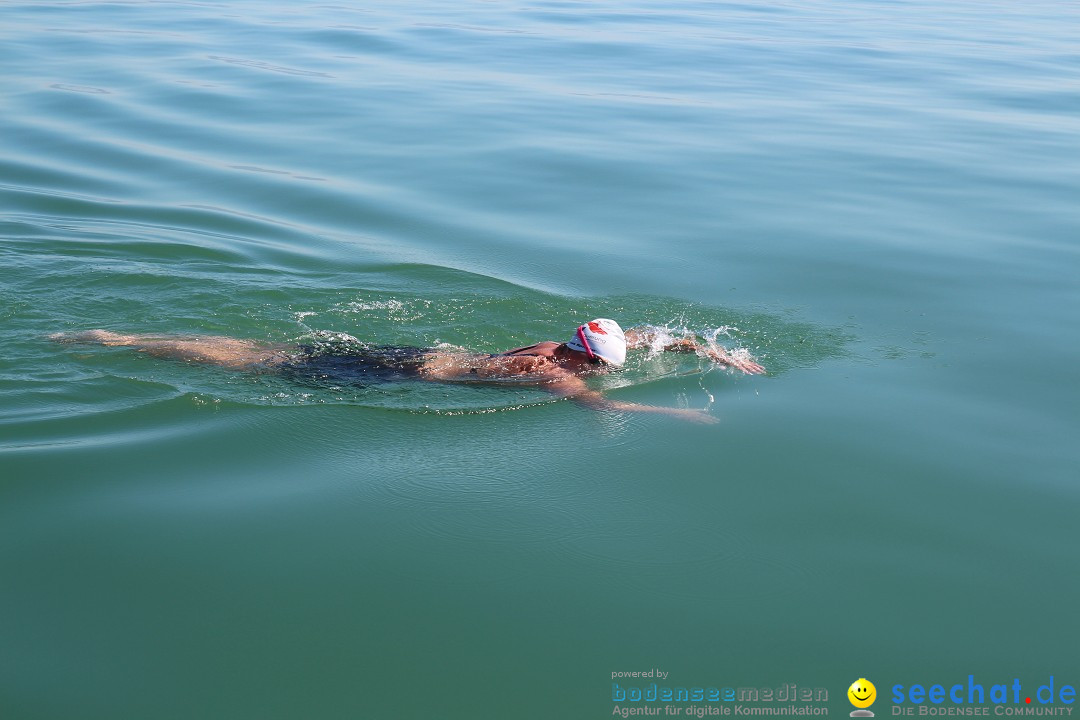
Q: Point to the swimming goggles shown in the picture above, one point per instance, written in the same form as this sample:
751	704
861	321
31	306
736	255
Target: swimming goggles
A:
593	357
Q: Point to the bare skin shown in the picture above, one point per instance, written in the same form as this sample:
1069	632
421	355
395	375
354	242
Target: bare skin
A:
550	365
643	337
227	352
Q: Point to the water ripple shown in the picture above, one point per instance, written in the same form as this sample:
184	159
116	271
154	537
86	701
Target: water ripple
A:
259	65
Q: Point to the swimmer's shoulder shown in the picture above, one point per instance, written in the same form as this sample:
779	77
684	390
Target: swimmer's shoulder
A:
540	349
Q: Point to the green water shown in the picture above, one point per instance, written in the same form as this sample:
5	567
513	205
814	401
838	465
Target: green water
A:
877	200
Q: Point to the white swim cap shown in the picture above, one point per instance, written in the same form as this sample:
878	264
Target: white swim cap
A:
600	338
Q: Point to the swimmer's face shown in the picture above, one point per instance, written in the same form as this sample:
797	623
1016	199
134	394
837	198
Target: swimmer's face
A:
594	364
577	360
862	693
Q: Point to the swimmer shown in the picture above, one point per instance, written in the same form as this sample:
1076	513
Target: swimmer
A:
596	347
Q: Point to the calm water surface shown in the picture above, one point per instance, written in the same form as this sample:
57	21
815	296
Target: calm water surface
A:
877	199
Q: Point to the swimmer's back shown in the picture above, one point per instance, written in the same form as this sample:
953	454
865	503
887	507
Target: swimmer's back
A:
544	349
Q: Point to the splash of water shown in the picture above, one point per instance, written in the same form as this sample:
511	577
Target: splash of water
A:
660	337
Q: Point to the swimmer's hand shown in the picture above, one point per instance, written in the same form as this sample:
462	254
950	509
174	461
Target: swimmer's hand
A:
701	417
640	337
723	357
575	389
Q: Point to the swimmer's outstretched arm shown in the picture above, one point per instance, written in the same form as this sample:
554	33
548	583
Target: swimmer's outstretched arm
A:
209	349
640	337
575	389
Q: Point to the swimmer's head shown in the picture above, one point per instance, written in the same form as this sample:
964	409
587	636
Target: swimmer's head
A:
600	339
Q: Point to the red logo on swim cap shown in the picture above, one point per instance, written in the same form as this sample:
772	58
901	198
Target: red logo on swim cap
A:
595	327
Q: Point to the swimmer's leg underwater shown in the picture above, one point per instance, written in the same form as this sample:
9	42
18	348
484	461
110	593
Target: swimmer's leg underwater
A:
208	349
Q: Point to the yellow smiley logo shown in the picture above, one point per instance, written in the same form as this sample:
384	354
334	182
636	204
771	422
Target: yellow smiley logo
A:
862	693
